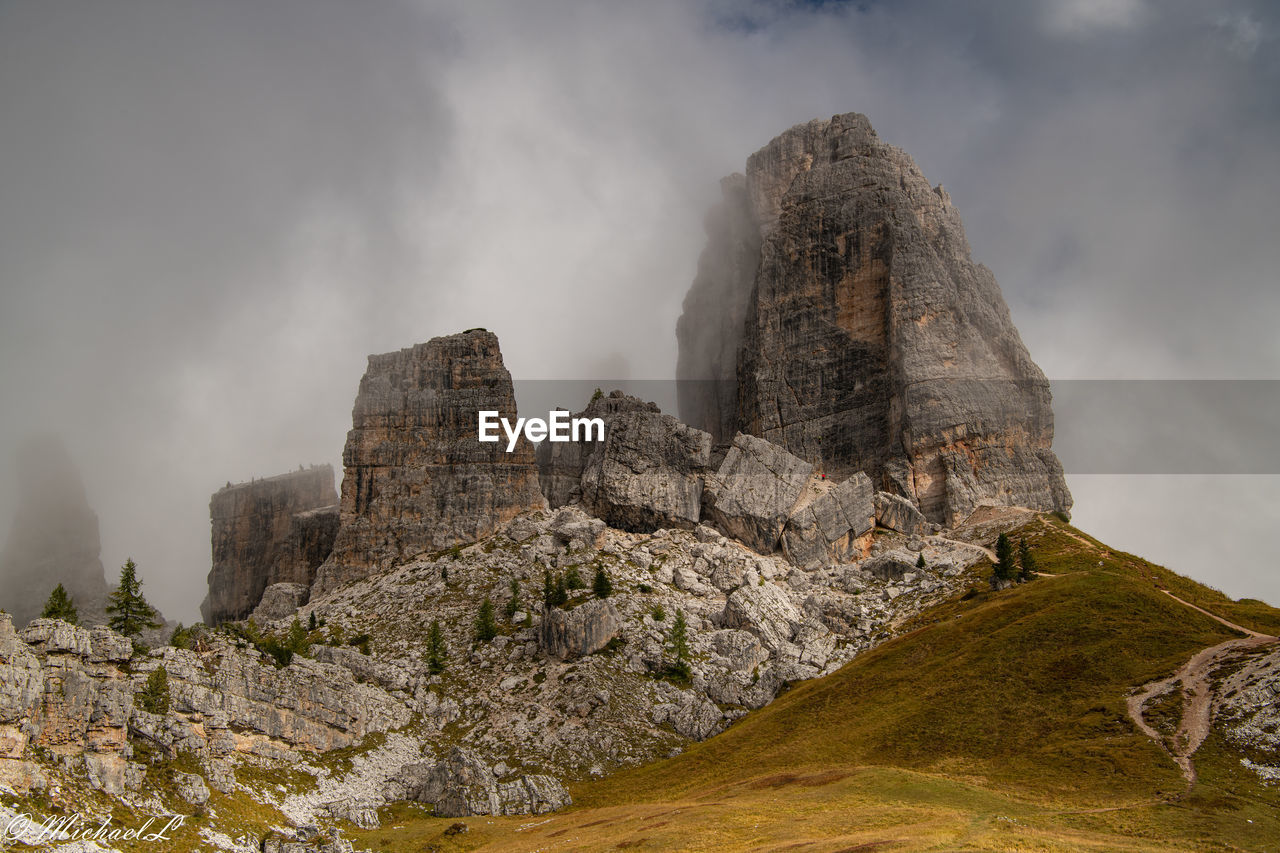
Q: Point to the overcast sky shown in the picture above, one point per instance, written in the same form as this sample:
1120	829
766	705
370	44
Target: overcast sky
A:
211	212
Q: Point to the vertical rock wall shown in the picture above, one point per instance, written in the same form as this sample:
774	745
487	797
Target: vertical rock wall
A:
871	341
416	478
276	530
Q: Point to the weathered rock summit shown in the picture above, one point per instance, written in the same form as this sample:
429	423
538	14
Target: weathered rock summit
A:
265	532
870	340
416	477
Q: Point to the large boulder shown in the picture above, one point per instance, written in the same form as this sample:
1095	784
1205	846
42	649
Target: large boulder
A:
764	610
649	473
897	513
280	601
754	492
416	477
826	529
587	628
560	463
462	785
870	340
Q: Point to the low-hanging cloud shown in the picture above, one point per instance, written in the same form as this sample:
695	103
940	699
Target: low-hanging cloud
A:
210	213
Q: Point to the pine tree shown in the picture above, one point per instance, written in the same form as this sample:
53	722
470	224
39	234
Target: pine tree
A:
920	563
573	578
513	602
129	613
154	695
1027	560
554	590
60	606
296	640
311	621
437	652
678	645
600	584
485	626
1006	568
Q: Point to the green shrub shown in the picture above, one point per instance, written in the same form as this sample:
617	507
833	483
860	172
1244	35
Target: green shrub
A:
154	695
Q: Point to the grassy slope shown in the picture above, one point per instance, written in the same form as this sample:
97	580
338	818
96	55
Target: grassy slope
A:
997	723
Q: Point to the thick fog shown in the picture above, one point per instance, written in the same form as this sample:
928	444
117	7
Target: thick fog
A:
210	213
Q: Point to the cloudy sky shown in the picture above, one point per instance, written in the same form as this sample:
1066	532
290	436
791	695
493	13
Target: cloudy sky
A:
211	212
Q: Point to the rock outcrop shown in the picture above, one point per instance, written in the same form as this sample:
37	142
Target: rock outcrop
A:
416	477
276	530
871	341
560	463
462	785
828	528
897	513
752	495
54	537
280	601
64	689
648	474
569	634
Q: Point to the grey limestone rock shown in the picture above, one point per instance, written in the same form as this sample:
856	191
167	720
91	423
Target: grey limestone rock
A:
825	530
871	341
560	463
587	628
280	601
753	493
897	513
461	785
649	473
416	477
274	530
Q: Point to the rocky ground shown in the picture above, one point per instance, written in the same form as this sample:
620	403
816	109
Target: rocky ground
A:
561	693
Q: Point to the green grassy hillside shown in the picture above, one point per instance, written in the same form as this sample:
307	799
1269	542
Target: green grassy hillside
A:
996	722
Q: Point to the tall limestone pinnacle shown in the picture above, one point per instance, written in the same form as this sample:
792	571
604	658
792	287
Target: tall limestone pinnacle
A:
54	538
870	340
416	477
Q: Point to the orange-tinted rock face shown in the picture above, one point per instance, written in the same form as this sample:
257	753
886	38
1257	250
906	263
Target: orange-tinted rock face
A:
416	477
275	530
871	341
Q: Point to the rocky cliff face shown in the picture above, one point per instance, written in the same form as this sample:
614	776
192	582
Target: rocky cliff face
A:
54	538
416	478
871	341
276	530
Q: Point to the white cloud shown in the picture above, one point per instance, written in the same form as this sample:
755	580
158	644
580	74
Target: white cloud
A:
1086	17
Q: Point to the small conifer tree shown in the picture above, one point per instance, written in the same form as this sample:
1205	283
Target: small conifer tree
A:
485	626
1005	568
296	640
129	613
154	695
920	563
437	652
60	606
1027	561
573	578
600	584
